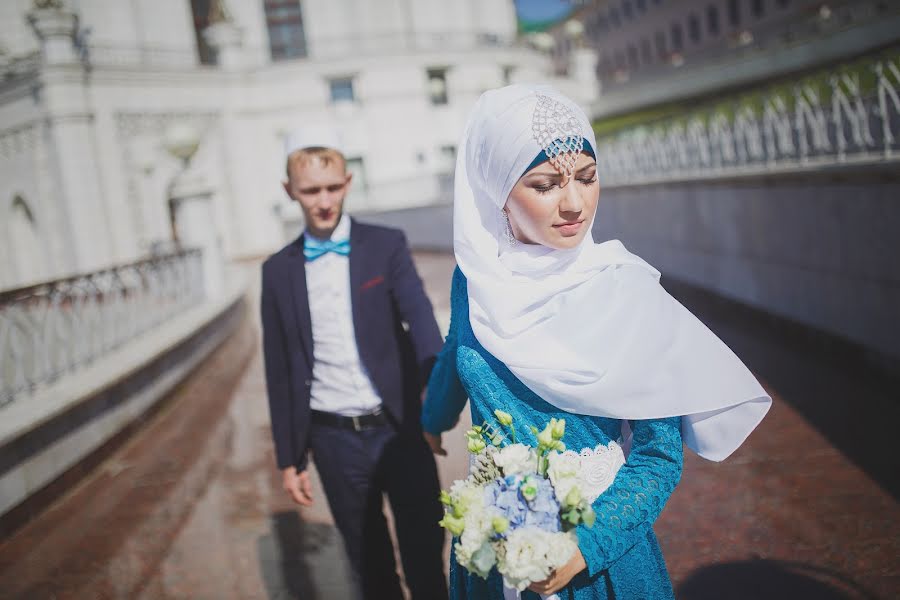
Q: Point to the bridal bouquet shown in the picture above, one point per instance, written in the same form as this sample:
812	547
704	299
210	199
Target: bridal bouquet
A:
519	505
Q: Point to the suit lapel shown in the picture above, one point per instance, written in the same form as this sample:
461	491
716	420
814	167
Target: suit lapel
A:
357	274
297	272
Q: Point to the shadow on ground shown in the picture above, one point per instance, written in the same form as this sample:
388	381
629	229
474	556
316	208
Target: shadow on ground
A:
304	560
839	390
770	579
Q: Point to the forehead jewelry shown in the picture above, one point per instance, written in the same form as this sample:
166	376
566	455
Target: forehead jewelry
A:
556	130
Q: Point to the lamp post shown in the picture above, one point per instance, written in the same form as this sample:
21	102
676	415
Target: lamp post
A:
191	202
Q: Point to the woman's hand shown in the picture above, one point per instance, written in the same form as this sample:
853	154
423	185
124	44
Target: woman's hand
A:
560	578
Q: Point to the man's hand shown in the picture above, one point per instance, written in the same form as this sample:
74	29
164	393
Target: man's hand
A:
434	442
560	578
297	485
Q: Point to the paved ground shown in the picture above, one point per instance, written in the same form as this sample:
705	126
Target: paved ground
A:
191	507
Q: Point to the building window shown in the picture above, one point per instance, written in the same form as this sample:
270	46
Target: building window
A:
342	90
205	52
626	9
660	40
694	28
359	191
508	71
447	155
734	13
632	57
614	18
437	85
758	7
677	37
641	5
784	3
646	51
712	19
284	21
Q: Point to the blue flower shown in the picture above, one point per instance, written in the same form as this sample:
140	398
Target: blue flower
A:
544	508
505	496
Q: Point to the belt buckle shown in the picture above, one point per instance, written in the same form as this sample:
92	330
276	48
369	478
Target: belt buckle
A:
356	425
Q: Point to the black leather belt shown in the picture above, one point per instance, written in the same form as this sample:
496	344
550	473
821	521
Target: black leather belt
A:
360	423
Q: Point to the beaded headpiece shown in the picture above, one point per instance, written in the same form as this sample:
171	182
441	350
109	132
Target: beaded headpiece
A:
557	131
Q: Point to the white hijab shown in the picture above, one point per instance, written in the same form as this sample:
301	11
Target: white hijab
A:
590	330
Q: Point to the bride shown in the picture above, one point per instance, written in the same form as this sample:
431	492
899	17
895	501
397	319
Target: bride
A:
546	323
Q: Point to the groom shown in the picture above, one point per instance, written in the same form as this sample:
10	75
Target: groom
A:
349	338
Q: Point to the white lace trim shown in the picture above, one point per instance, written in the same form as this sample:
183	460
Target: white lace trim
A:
597	468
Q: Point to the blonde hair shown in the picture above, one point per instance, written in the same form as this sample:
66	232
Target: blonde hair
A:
320	154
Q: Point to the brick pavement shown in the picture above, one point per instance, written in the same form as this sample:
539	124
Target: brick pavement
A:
192	508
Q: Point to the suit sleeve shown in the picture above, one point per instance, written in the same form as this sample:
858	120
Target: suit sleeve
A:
414	307
278	377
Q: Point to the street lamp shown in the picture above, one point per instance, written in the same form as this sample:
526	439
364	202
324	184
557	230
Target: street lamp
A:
191	205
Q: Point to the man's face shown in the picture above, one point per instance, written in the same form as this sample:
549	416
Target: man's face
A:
320	187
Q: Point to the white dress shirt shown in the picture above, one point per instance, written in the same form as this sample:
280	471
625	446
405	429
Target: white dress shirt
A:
340	382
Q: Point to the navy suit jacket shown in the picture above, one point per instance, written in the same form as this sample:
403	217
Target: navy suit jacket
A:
386	294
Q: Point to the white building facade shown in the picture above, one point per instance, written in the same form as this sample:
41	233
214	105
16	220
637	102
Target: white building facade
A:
95	91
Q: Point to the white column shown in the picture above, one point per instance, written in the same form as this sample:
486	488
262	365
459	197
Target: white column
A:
72	141
226	38
195	226
56	28
583	69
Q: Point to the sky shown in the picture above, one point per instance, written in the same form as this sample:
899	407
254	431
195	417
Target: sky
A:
542	10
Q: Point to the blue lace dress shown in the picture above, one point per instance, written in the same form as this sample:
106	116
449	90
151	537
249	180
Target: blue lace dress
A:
623	558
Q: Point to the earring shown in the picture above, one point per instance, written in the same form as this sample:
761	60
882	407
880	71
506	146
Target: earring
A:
507	229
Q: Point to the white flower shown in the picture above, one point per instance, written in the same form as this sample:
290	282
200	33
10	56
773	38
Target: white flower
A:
531	554
465	493
484	559
473	550
516	459
564	471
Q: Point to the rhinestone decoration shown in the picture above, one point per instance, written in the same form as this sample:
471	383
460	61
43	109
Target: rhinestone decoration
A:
556	130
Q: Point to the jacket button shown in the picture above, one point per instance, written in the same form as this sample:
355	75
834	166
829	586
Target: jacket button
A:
307	383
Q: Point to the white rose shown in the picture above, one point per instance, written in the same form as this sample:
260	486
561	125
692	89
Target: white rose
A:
516	459
466	493
564	471
531	554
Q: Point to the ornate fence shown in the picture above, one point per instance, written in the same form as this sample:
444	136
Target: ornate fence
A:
56	327
850	115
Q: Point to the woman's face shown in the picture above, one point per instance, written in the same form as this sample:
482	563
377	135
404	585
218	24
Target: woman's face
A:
548	209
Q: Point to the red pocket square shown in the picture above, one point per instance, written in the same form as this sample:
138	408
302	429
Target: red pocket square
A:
372	283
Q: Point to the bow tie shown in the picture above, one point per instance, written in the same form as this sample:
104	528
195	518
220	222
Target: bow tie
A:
313	249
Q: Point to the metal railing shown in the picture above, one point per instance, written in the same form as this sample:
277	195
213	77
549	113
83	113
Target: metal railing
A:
842	118
56	327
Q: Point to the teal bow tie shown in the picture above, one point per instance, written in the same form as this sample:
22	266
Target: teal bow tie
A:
313	249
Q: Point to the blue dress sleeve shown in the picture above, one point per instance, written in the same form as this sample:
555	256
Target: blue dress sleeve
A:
446	397
627	509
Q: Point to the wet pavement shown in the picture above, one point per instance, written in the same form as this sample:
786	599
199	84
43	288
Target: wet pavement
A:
191	506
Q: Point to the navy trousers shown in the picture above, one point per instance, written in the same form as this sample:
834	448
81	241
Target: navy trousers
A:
357	469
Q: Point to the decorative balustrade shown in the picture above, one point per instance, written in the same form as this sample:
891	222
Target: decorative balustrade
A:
847	116
54	328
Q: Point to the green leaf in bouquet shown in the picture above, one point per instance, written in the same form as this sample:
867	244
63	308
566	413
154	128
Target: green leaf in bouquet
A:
589	516
455	525
500	524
